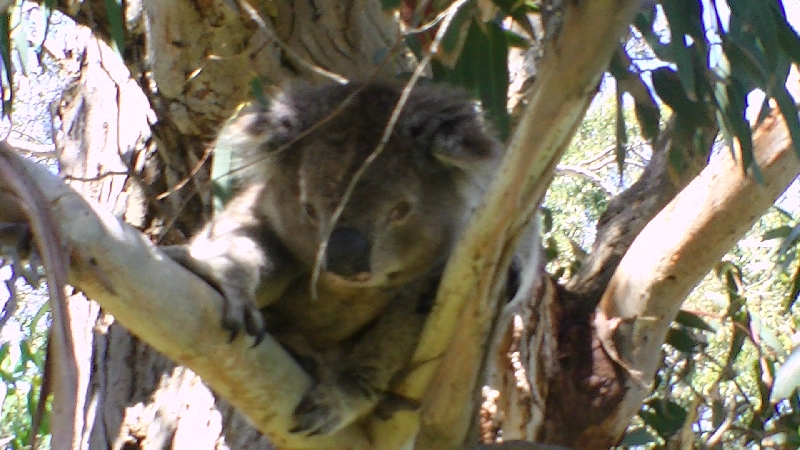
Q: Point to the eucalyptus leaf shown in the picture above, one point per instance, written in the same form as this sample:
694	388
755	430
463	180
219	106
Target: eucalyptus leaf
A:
777	233
639	436
5	54
787	378
390	4
621	133
691	320
789	111
795	291
681	340
116	25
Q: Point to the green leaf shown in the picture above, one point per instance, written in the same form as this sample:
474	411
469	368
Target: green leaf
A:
787	378
5	348
776	233
516	40
20	38
734	112
390	4
482	69
789	240
5	54
547	219
639	436
789	111
767	336
728	273
647	112
763	112
116	25
47	12
795	288
648	116
258	91
668	87
675	156
739	337
681	339
551	249
414	44
664	416
519	11
221	179
680	15
453	35
765	28
788	38
621	133
42	312
691	320
745	62
722	122
25	352
644	23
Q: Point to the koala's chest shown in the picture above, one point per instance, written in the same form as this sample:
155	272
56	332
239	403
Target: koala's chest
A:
335	315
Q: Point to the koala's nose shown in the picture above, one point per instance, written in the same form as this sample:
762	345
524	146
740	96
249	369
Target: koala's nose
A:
348	253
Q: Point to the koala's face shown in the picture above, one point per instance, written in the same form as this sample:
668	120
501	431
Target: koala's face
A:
408	206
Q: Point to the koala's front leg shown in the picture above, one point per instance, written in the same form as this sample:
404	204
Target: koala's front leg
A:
236	254
350	388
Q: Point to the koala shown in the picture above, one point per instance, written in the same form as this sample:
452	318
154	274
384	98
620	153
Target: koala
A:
351	316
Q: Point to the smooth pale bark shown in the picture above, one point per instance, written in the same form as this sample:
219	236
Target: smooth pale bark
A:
179	314
675	251
468	298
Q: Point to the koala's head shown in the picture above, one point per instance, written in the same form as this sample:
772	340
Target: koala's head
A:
407	208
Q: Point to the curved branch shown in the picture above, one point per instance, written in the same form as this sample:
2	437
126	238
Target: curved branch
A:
587	175
677	248
146	291
629	212
466	305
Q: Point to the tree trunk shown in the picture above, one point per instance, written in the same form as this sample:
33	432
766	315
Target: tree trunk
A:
140	148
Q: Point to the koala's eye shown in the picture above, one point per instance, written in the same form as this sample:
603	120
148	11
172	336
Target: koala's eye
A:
400	211
310	212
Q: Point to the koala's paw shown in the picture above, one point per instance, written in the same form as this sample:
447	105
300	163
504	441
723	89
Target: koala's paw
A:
240	313
328	407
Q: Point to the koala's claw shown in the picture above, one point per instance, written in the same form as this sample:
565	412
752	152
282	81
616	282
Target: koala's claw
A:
316	415
325	409
237	315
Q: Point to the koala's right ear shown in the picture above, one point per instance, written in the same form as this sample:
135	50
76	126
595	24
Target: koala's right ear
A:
466	145
256	126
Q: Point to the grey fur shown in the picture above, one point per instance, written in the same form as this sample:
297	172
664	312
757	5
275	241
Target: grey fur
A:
385	253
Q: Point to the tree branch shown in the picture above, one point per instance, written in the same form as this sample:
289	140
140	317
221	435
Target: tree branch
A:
629	212
117	266
675	251
467	304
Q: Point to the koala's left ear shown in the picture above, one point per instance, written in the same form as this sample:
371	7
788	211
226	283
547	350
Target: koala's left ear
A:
465	144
